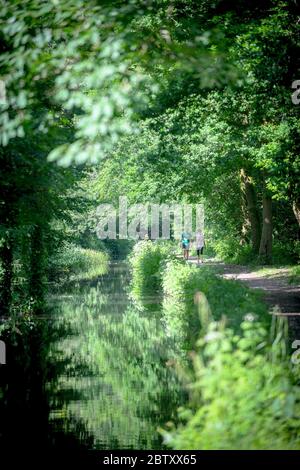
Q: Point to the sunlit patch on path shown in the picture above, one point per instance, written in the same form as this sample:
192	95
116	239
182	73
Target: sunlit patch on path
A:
283	298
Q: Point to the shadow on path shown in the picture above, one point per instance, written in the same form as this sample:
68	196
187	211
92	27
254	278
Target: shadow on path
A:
282	297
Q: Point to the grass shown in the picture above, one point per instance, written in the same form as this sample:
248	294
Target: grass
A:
231	251
243	390
284	271
295	275
227	298
147	263
74	263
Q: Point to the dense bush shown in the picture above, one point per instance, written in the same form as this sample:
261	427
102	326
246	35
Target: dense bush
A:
227	298
232	251
147	262
75	263
287	252
243	393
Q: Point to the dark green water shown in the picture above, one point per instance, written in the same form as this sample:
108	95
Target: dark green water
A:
98	376
116	380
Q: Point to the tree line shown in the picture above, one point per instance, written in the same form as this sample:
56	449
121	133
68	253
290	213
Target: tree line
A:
176	100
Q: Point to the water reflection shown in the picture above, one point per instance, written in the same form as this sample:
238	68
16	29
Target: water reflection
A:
114	379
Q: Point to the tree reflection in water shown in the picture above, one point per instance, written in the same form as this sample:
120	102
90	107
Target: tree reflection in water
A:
114	377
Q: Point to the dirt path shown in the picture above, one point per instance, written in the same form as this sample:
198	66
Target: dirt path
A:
282	297
278	293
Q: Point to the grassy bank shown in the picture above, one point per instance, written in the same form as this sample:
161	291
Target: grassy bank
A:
295	275
156	273
74	263
147	263
243	392
227	299
243	387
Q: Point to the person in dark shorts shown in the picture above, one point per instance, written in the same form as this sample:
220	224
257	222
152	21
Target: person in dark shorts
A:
200	243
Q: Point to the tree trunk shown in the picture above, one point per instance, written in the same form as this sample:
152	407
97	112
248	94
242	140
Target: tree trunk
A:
252	209
6	257
296	210
265	248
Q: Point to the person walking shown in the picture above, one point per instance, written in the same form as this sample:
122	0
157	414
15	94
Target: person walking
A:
200	244
185	244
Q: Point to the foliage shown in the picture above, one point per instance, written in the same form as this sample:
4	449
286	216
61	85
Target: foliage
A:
114	357
32	216
231	250
168	101
229	299
194	144
295	276
147	262
74	263
96	61
176	99
243	393
286	252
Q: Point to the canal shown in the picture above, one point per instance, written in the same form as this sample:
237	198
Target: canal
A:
98	375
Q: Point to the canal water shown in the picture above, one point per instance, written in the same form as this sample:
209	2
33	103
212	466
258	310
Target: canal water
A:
103	379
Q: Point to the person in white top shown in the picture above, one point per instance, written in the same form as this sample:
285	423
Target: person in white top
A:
200	244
